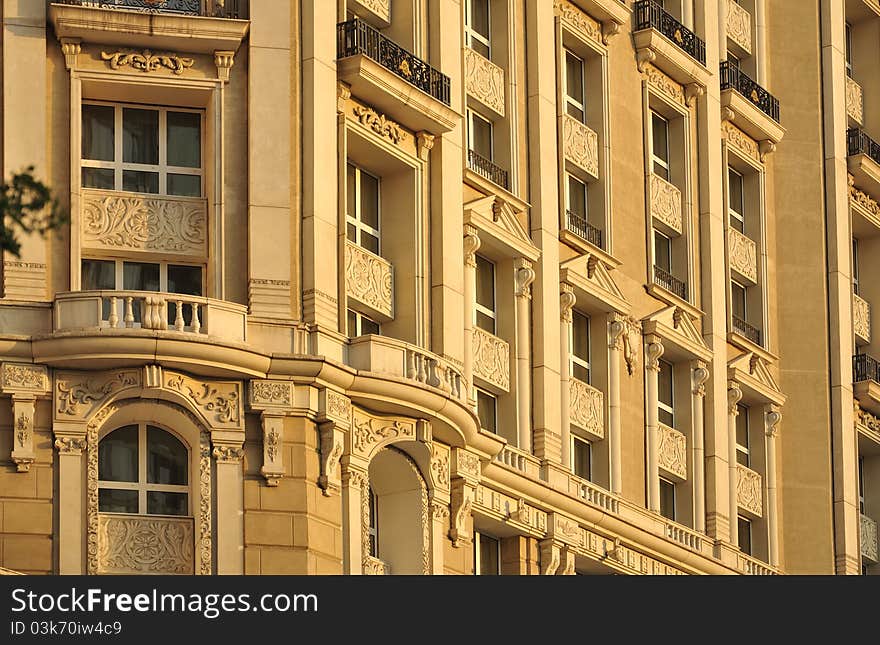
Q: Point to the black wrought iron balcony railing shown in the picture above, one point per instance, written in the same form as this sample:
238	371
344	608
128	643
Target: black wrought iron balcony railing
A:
858	142
732	77
865	368
212	8
649	15
669	282
355	37
746	330
579	225
487	169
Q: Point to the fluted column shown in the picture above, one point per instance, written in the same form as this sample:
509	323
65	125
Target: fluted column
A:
616	329
699	376
567	300
525	275
771	428
734	394
471	246
653	352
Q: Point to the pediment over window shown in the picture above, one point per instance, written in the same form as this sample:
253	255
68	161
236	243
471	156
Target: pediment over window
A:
592	282
753	374
497	218
678	328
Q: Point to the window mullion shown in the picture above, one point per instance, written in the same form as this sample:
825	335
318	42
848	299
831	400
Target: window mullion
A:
163	152
117	147
142	469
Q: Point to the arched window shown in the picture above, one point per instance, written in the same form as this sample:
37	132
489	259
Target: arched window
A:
143	470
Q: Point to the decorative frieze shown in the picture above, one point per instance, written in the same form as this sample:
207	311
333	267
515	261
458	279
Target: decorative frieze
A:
137	544
577	21
515	510
379	8
218	401
440	460
665	84
22	378
77	394
581	145
868	538
369	279
128	222
748	490
375	567
491	358
378	123
587	407
484	81
228	454
862	318
565	530
863	202
672	451
146	61
370	433
666	203
854	106
741	141
742	253
270	394
866	420
739	26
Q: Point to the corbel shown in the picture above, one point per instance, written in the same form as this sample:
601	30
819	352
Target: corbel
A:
466	477
224	60
334	420
24	382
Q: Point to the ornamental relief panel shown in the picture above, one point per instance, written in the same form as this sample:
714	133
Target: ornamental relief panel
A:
378	123
131	544
666	203
665	84
587	407
863	200
146	61
748	490
862	318
491	358
577	21
672	451
218	401
370	433
854	100
868	538
739	26
270	393
741	141
24	377
581	145
742	254
484	81
381	8
369	279
77	394
131	222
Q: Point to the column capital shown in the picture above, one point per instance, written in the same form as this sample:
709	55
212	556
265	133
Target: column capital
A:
525	275
734	394
472	244
653	351
567	300
771	421
699	376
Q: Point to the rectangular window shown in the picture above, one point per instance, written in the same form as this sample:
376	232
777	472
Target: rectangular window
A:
742	435
581	458
142	149
744	534
476	26
487	410
486	555
373	528
485	317
659	145
479	135
738	301
667	499
666	394
662	252
360	325
141	276
362	208
855	266
861	485
579	346
847	37
735	204
574	87
576	197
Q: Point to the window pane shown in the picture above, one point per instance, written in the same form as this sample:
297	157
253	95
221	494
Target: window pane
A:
166	458
486	323
574	77
744	533
667	499
581	458
370	242
184	185
662	251
486	411
351	232
488	556
111	500
98	139
738	300
136	181
664	380
162	503
660	137
370	200
185	279
98	274
118	456
577	197
481	136
103	178
140	276
184	139
735	190
352	324
580	335
140	136
485	283
480	17
369	326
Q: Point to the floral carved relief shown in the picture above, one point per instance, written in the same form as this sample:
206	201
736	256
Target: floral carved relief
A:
378	123
368	279
491	358
146	61
854	100
665	84
742	254
381	8
740	140
370	433
666	203
578	21
76	395
587	407
484	80
739	25
748	490
581	145
862	318
144	544
219	401
24	377
672	451
868	538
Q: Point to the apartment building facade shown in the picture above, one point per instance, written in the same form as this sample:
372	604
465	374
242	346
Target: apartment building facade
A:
443	287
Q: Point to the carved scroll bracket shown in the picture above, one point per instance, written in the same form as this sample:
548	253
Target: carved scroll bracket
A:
332	438
460	526
272	469
224	60
23	431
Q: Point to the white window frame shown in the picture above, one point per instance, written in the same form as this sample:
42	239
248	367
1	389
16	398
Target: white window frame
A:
163	169
568	179
668	243
486	311
577	360
733	284
356	218
734	215
141	486
163	272
674	498
359	323
577	102
655	159
478	563
661	404
744	449
472	34
471	114
494	399
578	439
